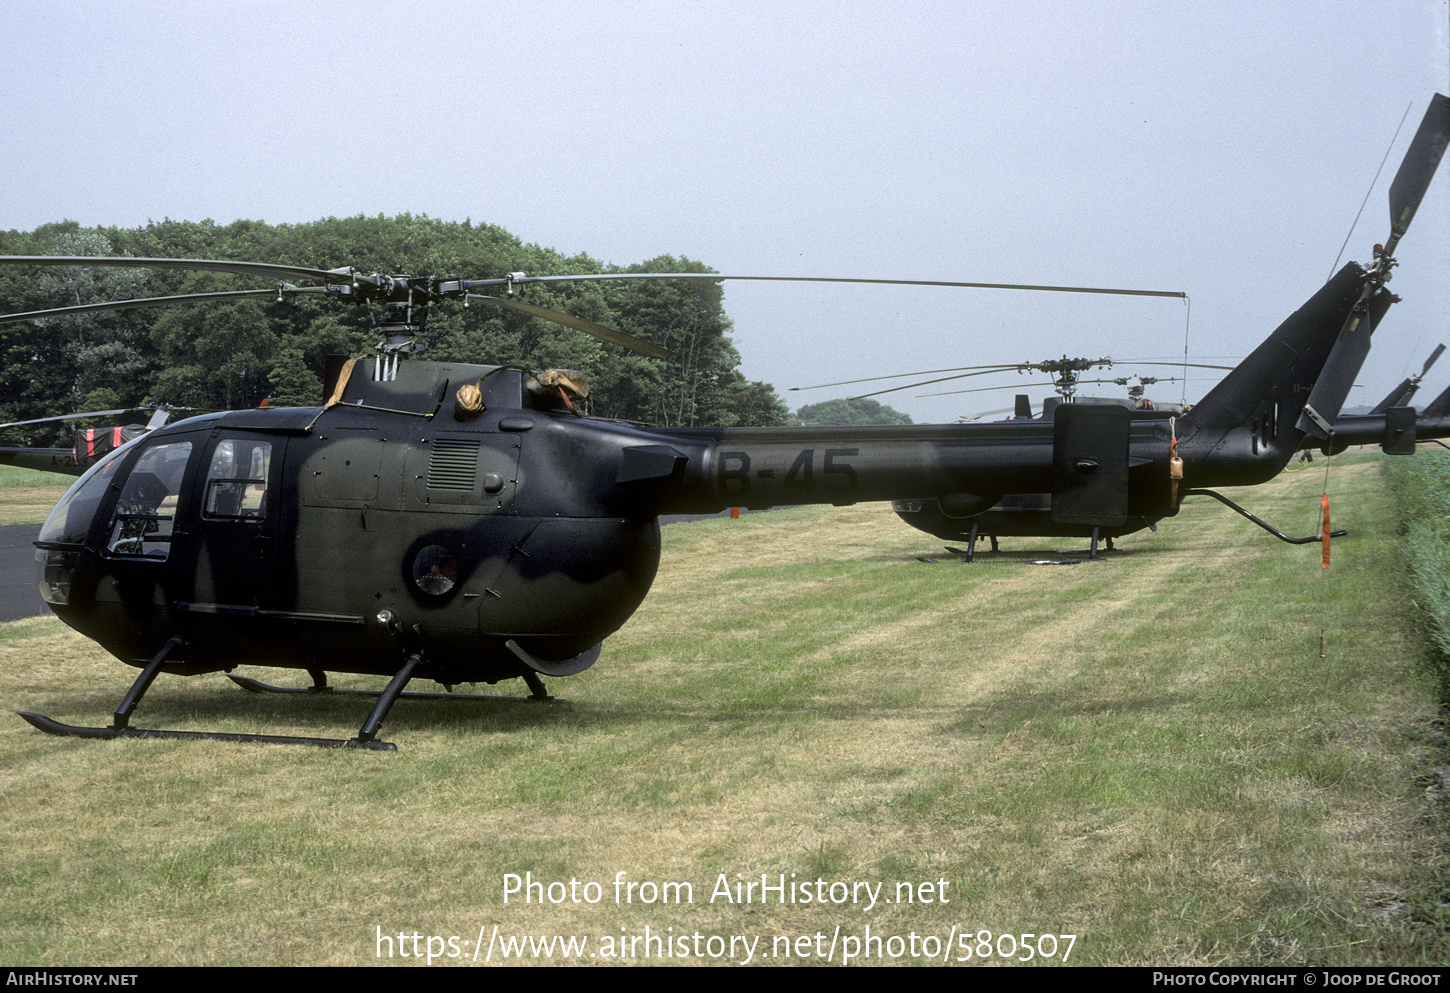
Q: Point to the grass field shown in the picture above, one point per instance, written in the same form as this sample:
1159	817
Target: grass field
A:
1147	754
26	495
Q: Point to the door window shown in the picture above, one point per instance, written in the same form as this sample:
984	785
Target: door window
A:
146	512
236	482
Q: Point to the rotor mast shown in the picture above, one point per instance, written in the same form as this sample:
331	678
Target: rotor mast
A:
398	307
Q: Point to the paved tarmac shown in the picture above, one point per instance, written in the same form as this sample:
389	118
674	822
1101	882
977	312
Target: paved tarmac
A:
19	592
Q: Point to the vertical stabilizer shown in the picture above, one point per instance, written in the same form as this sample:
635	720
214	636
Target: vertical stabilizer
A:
1266	394
1294	385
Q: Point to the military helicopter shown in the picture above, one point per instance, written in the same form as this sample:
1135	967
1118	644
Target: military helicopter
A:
467	523
89	444
1030	514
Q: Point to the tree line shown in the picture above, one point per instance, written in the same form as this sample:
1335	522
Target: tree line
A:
233	354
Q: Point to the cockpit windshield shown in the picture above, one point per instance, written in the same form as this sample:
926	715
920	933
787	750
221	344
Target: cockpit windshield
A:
70	520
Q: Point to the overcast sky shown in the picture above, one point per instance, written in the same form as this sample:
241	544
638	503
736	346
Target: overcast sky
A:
1222	150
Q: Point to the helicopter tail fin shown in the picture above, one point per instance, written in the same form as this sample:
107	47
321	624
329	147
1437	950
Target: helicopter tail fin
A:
1294	384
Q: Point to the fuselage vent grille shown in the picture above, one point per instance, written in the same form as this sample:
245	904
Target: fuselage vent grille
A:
453	464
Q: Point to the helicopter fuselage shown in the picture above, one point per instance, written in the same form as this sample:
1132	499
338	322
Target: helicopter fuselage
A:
394	522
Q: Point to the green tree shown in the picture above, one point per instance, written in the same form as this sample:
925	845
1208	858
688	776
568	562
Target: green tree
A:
222	351
854	411
292	383
102	350
93	361
234	353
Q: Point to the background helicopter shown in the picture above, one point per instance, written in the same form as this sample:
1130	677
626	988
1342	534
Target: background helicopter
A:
468	523
1391	423
1030	515
514	533
89	444
1402	394
1023	514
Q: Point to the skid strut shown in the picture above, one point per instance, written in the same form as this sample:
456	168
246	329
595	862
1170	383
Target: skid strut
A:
319	687
367	736
1092	555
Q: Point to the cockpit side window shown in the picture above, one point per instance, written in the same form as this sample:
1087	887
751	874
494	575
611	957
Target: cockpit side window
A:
236	482
145	513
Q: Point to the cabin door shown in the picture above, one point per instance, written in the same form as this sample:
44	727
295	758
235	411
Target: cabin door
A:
234	534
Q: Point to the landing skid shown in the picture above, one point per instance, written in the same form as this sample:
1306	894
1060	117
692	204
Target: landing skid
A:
367	736
971	550
49	726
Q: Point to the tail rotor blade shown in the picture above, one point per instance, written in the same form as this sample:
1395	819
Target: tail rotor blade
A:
1431	360
1418	168
1336	378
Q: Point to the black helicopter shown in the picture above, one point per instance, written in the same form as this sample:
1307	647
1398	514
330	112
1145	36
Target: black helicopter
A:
88	445
1024	514
466	523
1391	422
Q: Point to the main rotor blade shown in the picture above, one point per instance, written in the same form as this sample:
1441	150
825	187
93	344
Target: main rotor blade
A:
520	279
922	372
988	370
1008	386
96	308
207	265
1014	386
1045	382
1418	168
332	275
1177	365
945	379
68	417
580	324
